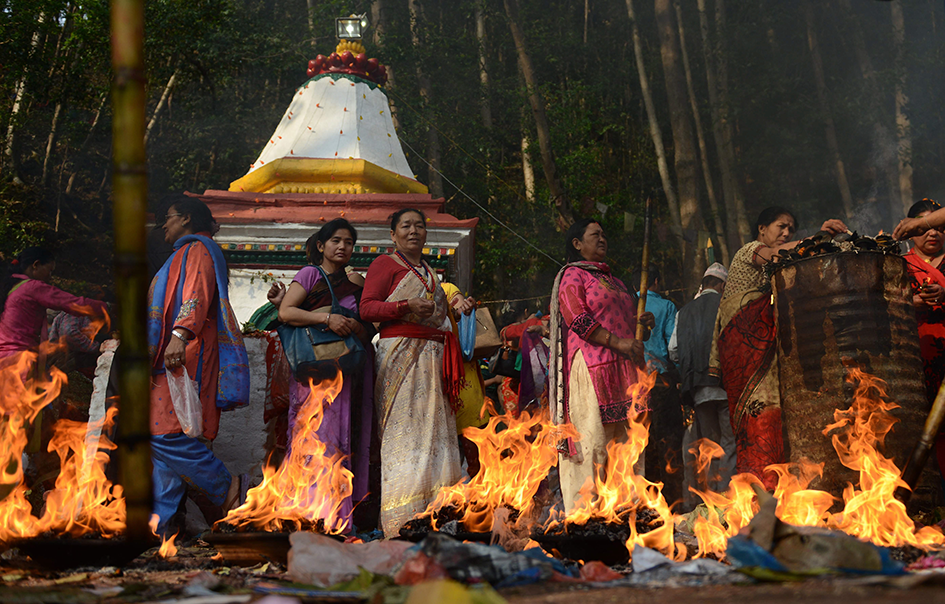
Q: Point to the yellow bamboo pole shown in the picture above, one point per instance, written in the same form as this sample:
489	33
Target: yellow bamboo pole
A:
130	196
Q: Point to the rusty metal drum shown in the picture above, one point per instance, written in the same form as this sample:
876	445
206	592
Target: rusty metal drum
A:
832	311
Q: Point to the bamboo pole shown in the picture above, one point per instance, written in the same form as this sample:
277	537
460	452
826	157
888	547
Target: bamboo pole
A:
920	454
644	270
130	194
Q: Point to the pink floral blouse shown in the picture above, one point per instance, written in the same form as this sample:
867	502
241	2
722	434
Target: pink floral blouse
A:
591	299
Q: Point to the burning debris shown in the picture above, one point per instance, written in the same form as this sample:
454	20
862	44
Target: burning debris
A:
515	455
306	492
871	512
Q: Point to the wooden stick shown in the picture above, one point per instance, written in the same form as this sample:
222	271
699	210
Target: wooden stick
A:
644	270
130	195
920	454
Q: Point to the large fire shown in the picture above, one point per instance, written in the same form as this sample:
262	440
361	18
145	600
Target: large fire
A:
515	455
83	501
618	493
308	486
870	512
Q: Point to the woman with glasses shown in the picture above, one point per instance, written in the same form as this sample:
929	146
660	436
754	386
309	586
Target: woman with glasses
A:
191	325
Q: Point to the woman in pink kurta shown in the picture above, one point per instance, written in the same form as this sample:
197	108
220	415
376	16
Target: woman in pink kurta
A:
27	296
594	358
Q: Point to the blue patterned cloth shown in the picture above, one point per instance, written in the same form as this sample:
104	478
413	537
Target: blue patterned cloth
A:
233	380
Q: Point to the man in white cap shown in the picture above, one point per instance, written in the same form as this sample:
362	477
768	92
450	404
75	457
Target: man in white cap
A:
689	348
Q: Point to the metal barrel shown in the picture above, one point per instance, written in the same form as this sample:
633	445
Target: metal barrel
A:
840	310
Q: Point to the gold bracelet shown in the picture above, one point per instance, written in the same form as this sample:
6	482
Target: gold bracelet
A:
607	343
927	224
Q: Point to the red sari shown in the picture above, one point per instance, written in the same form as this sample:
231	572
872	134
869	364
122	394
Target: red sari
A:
931	319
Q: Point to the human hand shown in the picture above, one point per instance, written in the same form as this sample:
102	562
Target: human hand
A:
174	354
632	349
648	320
421	307
911	227
276	293
342	325
834	226
931	293
466	306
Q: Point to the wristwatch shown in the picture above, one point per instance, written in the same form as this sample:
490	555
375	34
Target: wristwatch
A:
180	336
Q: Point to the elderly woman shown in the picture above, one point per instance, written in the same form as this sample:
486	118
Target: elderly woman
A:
595	357
744	353
347	421
419	374
191	325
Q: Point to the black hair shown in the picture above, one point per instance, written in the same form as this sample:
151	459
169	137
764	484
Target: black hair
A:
576	231
323	235
923	205
201	219
711	282
24	260
772	213
395	217
653	275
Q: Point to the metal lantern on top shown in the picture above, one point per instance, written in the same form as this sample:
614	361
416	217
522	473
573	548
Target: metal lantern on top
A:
352	27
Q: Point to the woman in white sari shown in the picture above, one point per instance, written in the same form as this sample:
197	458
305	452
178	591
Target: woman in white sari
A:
419	373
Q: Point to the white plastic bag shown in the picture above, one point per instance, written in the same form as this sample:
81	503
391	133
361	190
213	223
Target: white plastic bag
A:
186	400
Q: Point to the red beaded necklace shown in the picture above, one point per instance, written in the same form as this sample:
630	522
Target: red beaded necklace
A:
429	287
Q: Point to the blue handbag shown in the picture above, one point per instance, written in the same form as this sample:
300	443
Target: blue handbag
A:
316	352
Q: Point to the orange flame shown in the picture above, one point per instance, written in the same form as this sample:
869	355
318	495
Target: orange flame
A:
618	492
167	549
83	500
308	485
870	512
513	462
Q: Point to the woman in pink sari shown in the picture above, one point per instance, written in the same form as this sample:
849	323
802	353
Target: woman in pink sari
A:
594	355
419	374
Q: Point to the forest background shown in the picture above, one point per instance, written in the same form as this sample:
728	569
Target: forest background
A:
538	111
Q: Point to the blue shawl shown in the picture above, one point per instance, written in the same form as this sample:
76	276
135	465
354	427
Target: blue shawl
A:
233	380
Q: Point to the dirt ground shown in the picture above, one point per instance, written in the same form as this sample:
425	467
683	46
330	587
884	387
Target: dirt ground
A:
813	591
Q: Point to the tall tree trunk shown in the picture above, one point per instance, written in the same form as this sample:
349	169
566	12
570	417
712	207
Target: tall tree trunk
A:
9	145
51	142
587	15
560	199
826	115
380	17
485	110
310	8
528	170
700	137
884	147
738	229
71	183
722	106
668	189
426	93
902	119
161	103
684	148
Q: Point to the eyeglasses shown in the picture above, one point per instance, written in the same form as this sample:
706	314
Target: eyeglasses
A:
169	216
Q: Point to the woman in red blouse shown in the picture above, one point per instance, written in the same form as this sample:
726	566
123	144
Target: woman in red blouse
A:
419	373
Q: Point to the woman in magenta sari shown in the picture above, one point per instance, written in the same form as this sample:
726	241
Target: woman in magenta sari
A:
347	421
419	374
594	355
744	351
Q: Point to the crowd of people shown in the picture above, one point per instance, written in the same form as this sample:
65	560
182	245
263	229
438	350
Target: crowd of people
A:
408	391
